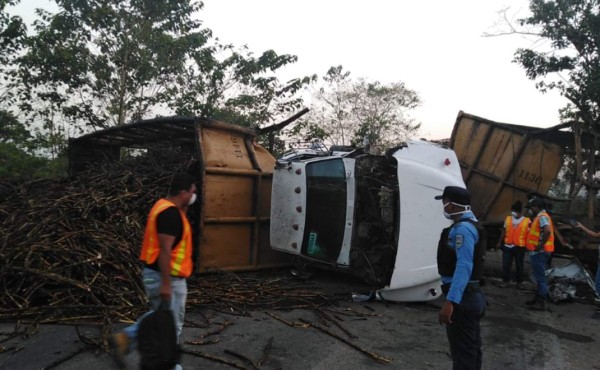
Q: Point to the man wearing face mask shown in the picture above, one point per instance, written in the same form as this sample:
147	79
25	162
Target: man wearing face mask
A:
512	241
167	259
460	264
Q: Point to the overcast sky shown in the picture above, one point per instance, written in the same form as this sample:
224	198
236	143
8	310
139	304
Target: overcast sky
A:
435	47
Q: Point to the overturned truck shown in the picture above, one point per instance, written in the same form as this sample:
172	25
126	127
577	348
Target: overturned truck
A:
373	216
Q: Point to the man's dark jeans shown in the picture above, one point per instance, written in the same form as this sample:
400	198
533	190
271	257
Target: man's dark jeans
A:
508	255
539	263
464	334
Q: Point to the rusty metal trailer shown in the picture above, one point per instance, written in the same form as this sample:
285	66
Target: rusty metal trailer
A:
502	163
234	189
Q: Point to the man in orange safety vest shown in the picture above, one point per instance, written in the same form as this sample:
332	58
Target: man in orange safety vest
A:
512	242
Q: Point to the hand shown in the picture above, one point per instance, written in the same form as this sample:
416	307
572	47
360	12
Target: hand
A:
165	290
445	315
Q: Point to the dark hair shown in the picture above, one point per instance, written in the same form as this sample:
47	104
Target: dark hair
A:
180	181
517	206
536	202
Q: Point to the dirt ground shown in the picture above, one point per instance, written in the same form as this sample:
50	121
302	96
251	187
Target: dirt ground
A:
369	335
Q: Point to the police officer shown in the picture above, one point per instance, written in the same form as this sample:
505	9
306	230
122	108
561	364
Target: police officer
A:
460	265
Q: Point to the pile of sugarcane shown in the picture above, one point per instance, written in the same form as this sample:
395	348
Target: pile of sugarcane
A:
69	250
69	247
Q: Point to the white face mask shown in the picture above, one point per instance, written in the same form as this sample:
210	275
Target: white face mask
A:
449	215
515	215
192	199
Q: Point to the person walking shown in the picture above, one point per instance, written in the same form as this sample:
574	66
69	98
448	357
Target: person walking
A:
459	260
166	257
540	245
512	242
593	234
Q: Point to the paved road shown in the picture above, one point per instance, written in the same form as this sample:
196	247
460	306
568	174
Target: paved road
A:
406	334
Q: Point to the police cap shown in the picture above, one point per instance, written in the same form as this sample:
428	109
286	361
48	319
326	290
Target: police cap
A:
456	194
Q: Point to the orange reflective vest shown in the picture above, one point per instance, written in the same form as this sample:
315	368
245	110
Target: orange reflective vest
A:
533	237
516	235
181	254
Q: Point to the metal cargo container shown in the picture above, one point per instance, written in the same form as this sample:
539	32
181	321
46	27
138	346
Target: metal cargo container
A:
502	163
234	189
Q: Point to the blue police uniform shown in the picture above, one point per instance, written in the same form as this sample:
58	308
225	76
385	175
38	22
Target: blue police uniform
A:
462	288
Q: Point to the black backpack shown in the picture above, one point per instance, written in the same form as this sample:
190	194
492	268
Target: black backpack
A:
157	340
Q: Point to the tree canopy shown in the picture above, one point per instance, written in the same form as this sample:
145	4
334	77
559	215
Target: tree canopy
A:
572	63
99	63
348	111
568	61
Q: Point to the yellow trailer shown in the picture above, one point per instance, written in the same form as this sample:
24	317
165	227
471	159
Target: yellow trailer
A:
234	172
502	163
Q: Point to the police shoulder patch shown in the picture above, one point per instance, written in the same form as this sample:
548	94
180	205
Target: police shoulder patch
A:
458	241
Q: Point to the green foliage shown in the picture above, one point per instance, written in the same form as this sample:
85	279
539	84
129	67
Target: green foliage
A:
13	131
347	111
100	63
106	62
17	163
12	33
232	85
20	151
572	65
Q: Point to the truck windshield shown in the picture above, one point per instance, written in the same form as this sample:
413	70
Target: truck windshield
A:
325	209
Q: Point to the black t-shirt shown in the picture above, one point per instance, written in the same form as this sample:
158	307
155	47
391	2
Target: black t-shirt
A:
169	222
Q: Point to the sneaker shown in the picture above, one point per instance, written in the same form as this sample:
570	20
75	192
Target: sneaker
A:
119	347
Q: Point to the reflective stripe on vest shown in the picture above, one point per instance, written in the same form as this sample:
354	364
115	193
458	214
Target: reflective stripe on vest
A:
516	235
181	254
533	237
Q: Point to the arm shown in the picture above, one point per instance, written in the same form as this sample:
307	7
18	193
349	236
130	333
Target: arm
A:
593	234
502	235
559	236
501	240
546	232
164	263
168	225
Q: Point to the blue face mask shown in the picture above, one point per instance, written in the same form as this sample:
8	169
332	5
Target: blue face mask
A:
515	214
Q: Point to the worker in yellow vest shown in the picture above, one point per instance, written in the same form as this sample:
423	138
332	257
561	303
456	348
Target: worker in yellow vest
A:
512	242
540	244
166	258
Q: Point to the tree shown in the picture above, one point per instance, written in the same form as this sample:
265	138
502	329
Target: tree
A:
571	65
12	131
231	84
12	33
101	63
105	62
17	152
346	112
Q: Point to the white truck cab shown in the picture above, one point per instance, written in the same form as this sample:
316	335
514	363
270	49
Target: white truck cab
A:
372	216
